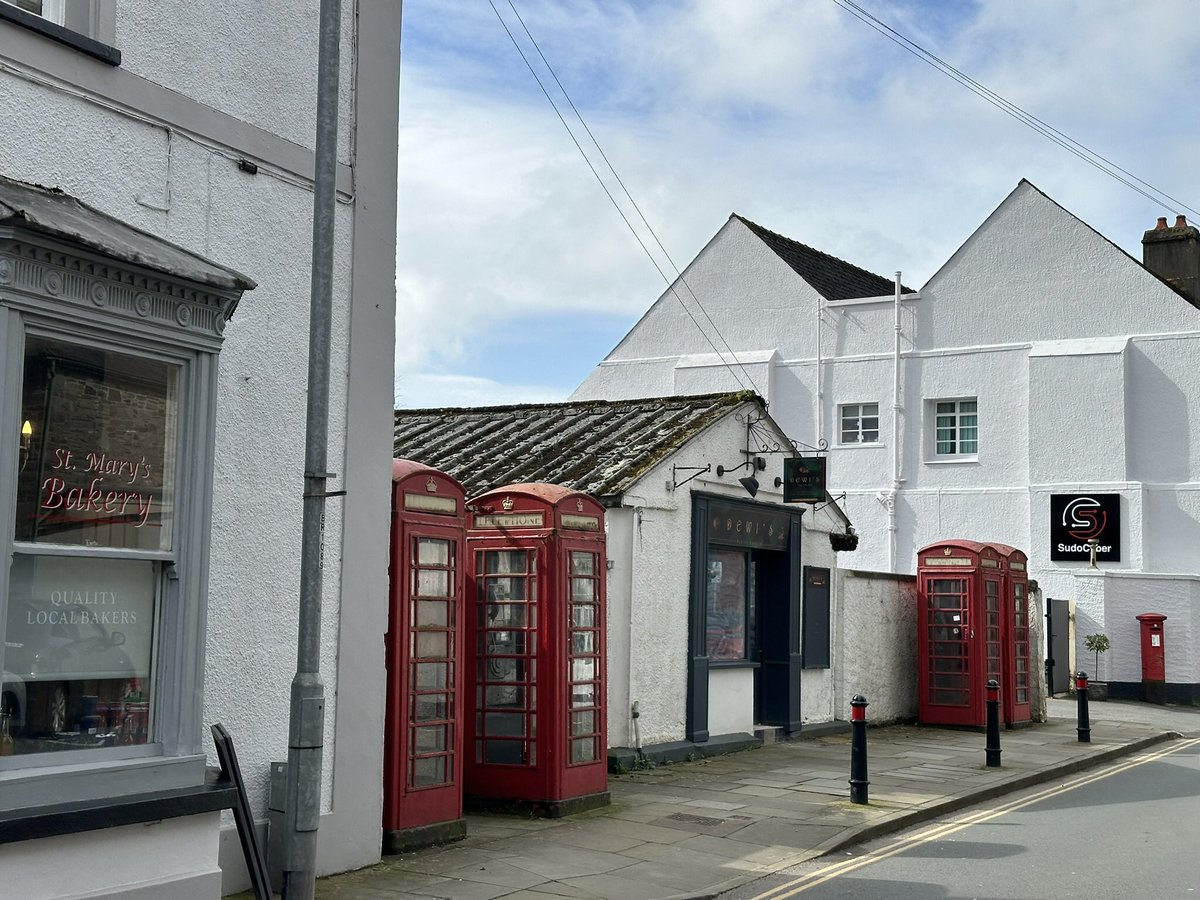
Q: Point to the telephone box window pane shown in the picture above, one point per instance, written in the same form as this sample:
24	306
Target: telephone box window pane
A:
583	669
428	771
98	466
432	583
583	750
583	722
433	552
506	562
583	616
430	707
583	563
433	645
432	613
79	640
506	753
583	590
429	738
504	724
583	694
583	642
507	615
431	676
506	696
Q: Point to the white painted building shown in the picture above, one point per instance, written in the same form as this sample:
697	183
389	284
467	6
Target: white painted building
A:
156	171
1042	376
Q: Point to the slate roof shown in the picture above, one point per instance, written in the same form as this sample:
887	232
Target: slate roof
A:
832	278
600	447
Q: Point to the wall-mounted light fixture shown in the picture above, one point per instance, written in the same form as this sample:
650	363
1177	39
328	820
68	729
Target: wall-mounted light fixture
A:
749	482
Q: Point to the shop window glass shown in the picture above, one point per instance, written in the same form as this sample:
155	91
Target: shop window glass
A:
97	454
726	600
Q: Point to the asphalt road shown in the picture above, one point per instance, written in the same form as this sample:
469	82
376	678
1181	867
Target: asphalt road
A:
1130	829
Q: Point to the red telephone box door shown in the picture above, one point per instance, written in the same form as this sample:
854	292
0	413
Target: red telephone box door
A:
423	738
950	658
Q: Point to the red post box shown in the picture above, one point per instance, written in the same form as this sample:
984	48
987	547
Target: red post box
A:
972	627
535	671
423	731
1154	659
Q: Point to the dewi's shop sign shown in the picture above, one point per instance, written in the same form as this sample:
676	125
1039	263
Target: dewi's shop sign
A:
1076	520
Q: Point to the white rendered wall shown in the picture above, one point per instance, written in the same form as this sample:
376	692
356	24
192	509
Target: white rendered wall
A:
876	644
242	85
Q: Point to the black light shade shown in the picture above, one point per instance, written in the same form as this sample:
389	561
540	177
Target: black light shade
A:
750	483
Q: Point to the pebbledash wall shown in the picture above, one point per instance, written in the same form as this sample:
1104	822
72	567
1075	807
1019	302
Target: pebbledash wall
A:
195	123
1085	368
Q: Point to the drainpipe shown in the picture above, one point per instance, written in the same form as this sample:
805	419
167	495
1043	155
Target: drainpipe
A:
820	393
893	495
306	727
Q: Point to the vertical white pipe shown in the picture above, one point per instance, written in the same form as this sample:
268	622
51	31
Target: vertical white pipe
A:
820	393
896	449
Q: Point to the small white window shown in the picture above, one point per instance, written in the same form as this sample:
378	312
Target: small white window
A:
860	423
956	428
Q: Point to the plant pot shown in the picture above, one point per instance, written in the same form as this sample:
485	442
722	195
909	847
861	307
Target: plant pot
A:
1097	690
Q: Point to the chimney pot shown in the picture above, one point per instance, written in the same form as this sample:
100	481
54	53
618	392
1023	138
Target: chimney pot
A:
1181	221
1162	223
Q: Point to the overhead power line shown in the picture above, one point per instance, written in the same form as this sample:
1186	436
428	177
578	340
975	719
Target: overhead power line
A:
1089	156
616	205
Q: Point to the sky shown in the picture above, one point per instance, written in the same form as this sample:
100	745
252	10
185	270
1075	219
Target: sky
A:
515	273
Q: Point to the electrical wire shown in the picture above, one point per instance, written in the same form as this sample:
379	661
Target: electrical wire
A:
621	212
1092	158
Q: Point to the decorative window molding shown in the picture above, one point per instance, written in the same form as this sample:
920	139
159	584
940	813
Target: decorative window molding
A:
111	339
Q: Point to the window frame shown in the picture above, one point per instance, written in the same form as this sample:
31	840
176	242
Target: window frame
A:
843	408
957	455
88	26
54	288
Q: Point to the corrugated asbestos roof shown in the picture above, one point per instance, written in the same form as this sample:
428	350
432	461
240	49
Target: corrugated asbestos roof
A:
832	278
600	447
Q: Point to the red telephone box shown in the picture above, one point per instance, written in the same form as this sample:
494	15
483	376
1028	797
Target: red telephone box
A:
536	667
1015	701
967	632
1154	657
423	733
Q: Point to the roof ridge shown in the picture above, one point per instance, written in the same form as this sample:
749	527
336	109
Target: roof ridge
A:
769	237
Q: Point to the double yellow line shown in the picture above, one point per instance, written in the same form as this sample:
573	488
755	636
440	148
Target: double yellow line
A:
938	832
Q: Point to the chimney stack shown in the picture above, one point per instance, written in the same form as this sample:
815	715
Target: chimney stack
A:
1173	254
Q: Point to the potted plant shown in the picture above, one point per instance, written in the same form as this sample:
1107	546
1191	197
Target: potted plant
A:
1097	643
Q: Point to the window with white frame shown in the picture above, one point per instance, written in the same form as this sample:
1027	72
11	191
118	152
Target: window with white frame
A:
860	423
51	10
956	428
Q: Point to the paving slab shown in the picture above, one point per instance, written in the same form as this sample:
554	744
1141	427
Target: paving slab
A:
693	829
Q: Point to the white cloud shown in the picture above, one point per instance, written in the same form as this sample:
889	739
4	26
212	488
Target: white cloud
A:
441	391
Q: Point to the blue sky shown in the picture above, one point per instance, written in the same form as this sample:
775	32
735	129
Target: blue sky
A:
515	275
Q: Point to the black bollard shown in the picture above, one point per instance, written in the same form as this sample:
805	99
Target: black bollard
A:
993	724
1083	727
858	749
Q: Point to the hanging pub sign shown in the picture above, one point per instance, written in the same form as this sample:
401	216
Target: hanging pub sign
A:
1080	521
803	479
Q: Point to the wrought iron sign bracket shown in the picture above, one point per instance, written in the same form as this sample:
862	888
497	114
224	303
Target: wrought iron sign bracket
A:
695	470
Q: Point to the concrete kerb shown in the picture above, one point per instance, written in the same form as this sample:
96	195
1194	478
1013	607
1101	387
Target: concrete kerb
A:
907	818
